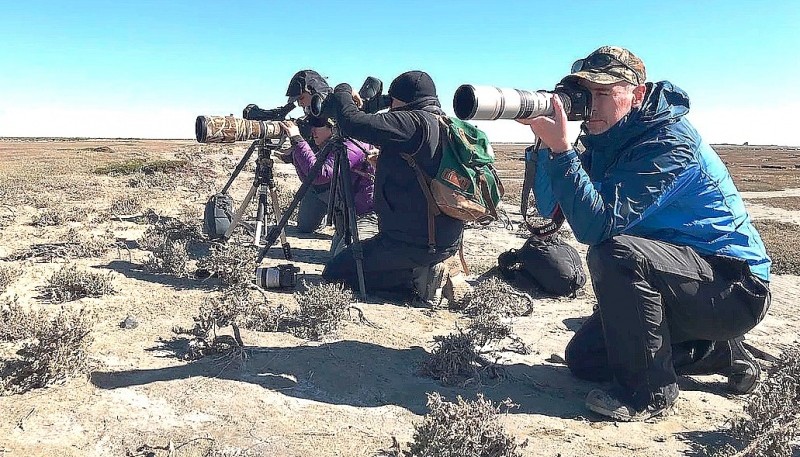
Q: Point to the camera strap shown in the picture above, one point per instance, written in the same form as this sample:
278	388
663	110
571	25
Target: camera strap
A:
557	219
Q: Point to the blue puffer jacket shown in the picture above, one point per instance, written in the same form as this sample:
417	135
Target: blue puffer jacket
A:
652	176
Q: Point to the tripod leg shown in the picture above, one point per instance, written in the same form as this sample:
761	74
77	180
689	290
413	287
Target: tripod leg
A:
261	215
276	210
237	217
343	175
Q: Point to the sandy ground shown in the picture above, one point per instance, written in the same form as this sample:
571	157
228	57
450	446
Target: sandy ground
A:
345	396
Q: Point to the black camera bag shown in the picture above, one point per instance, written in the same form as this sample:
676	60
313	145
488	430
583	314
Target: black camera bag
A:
544	264
218	215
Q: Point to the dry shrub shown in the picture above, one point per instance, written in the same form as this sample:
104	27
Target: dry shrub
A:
8	273
15	323
236	308
52	217
462	429
286	193
322	308
495	296
57	350
172	257
132	166
772	423
69	283
456	360
168	241
74	245
232	263
158	180
129	204
781	241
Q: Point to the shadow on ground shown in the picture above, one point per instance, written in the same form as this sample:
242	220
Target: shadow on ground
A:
367	375
135	271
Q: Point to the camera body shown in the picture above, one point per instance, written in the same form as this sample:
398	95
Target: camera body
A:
491	103
281	277
371	94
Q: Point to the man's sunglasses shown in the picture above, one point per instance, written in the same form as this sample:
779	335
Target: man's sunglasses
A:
601	62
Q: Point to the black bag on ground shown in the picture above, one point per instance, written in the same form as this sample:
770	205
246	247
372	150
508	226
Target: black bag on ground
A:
218	216
547	264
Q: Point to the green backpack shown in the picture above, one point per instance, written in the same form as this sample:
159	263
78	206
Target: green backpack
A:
466	187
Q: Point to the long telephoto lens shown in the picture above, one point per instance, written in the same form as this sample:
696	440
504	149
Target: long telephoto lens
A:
490	103
229	129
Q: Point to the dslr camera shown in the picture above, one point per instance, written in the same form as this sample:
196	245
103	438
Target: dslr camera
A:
371	94
281	277
491	103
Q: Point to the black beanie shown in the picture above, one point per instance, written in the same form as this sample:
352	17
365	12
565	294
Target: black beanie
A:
306	81
411	86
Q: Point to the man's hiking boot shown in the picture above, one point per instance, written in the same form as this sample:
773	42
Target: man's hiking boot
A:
728	358
456	288
428	282
744	372
609	404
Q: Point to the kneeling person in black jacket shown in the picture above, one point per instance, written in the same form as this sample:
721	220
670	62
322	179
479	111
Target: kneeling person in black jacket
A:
398	258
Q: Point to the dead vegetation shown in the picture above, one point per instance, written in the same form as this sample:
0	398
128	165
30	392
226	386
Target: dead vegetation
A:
132	166
54	348
787	203
69	283
74	245
321	311
52	217
495	296
462	357
127	204
8	273
781	241
168	241
233	263
461	429
771	424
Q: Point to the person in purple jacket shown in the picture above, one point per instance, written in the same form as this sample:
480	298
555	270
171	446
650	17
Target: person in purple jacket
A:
314	205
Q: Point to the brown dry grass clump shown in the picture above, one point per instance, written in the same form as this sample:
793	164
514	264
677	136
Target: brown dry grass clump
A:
74	245
496	296
132	166
232	263
168	242
8	273
781	241
771	426
128	204
456	360
52	217
322	308
56	348
69	283
461	429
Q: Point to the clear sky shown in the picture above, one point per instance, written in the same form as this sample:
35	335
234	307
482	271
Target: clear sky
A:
146	69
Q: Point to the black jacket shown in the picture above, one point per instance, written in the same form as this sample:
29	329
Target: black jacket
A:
400	205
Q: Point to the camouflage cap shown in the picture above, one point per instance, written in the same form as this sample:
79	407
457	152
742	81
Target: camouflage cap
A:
609	65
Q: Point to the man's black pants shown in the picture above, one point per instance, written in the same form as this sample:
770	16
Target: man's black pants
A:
652	295
388	264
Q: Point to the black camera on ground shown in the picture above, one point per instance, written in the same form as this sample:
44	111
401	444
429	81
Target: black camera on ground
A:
491	103
371	94
281	277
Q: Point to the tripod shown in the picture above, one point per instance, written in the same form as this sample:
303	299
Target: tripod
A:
341	203
263	184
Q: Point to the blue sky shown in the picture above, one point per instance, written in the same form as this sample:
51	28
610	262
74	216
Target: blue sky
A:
147	69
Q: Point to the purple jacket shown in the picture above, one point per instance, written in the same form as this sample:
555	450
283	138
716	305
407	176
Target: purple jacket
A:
362	173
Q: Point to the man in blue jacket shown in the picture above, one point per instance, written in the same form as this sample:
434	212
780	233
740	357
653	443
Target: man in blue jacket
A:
679	271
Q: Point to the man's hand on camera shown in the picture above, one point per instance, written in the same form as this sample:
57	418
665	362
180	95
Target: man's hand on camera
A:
357	100
552	130
290	128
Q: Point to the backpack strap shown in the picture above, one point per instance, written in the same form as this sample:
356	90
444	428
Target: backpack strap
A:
433	210
422	178
487	196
